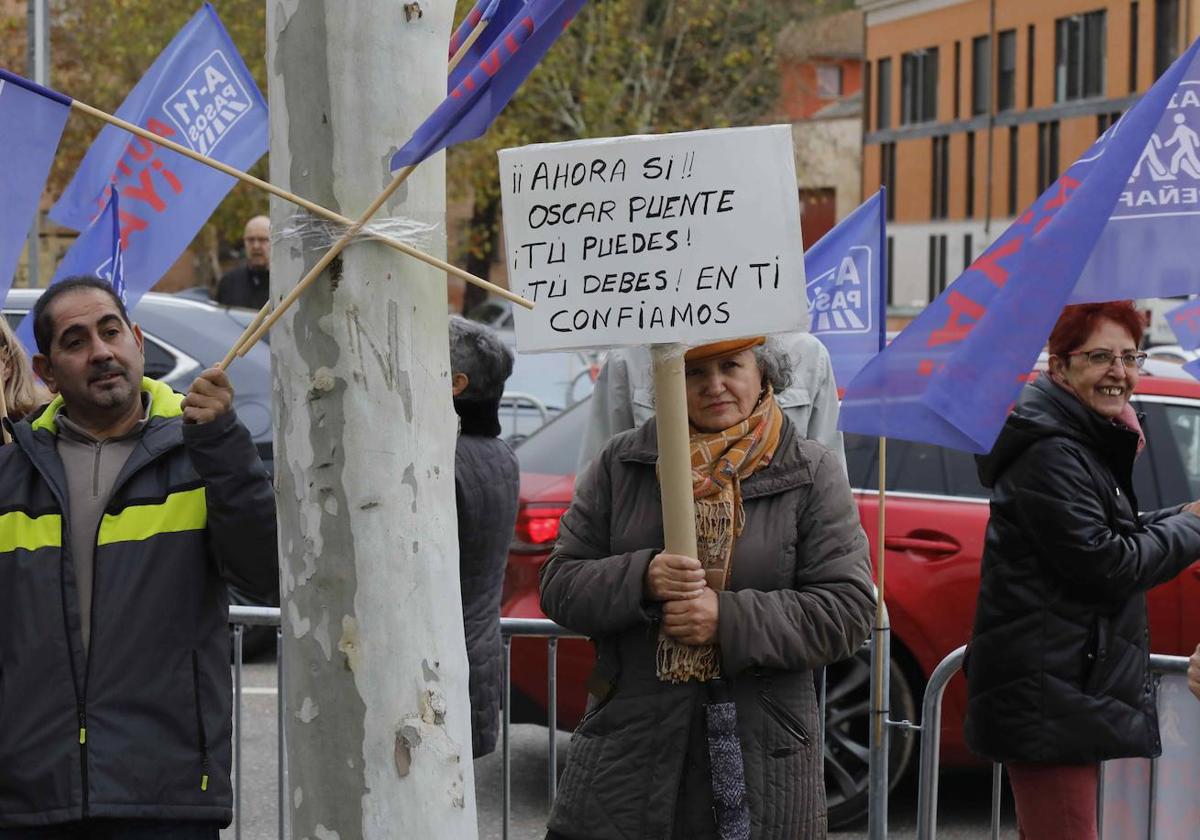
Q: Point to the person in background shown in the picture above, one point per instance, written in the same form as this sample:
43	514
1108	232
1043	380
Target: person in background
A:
1057	668
781	587
486	485
624	396
250	283
22	392
127	509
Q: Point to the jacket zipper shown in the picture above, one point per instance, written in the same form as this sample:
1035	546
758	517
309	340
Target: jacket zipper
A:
784	718
200	723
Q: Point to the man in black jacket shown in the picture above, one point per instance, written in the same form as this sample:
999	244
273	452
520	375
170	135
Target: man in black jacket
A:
486	485
124	508
249	284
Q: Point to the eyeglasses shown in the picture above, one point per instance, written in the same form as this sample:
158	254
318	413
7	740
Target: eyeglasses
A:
1104	358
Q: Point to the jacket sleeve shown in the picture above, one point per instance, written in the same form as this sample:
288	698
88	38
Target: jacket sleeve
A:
1057	505
241	503
583	585
823	421
610	410
827	615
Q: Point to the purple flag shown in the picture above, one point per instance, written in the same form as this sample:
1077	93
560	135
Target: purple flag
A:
1185	323
498	14
951	377
491	82
31	121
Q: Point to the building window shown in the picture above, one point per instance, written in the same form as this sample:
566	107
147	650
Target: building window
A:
918	86
1006	71
883	94
968	251
887	176
937	265
1013	181
940	183
1166	34
1133	46
1079	56
1029	68
1047	164
970	212
981	75
1104	121
829	81
957	78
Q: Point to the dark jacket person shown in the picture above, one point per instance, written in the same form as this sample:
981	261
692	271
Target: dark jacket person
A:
1057	667
780	543
486	486
124	508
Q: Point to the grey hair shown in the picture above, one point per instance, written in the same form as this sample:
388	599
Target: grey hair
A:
775	364
477	351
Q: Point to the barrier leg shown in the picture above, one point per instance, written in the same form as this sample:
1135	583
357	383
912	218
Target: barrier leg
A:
931	742
997	778
238	631
877	790
505	721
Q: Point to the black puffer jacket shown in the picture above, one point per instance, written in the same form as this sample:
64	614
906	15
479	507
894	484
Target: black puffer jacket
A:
486	487
1057	669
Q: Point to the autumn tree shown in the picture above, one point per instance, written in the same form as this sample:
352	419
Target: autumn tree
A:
101	48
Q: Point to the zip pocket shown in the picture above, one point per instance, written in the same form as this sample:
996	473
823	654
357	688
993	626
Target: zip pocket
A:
203	737
790	723
1096	664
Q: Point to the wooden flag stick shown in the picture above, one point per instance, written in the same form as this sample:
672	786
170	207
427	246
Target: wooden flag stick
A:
253	325
248	341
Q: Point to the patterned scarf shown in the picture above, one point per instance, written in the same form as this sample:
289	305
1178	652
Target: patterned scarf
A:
721	461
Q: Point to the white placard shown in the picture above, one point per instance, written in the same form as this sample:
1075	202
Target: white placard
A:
688	238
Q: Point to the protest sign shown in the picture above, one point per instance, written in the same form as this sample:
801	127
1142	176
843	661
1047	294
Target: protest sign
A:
674	238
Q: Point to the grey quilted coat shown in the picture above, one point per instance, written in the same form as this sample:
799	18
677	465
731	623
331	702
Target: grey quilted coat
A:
800	597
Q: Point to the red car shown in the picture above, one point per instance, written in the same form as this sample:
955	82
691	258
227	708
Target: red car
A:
936	517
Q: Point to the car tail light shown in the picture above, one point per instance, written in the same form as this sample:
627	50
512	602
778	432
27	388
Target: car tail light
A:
537	525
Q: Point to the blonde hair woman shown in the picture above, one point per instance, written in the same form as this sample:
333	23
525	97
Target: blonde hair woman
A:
22	393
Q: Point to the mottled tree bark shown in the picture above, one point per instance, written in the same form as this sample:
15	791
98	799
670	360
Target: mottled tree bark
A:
377	716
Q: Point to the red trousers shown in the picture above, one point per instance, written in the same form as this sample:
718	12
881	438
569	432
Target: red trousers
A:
1055	801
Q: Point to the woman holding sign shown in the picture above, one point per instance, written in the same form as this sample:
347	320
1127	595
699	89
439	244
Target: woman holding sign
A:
781	587
1058	666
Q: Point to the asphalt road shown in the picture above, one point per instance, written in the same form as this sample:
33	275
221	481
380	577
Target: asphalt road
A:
965	797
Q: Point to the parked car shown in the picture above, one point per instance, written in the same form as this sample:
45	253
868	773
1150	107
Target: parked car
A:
542	385
936	517
183	336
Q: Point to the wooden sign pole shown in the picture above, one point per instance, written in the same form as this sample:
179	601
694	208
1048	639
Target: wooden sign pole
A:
674	453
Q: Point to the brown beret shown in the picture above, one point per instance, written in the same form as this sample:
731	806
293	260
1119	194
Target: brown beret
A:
723	348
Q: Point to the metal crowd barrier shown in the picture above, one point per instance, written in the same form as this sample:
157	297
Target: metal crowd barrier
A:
931	738
510	628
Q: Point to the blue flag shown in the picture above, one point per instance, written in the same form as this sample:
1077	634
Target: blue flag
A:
498	14
847	271
96	253
951	377
31	121
197	93
1185	323
491	82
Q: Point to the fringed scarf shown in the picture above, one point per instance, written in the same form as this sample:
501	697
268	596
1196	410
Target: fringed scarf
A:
721	461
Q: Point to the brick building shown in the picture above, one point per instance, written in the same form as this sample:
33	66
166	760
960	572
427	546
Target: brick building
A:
974	107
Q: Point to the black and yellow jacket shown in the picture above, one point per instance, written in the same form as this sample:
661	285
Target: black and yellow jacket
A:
140	727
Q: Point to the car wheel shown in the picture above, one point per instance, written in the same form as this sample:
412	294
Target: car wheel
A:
847	735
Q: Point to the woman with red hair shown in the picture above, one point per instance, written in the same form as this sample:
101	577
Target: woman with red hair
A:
1058	666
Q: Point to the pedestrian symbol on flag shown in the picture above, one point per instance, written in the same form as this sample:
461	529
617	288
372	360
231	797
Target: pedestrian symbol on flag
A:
209	103
841	298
